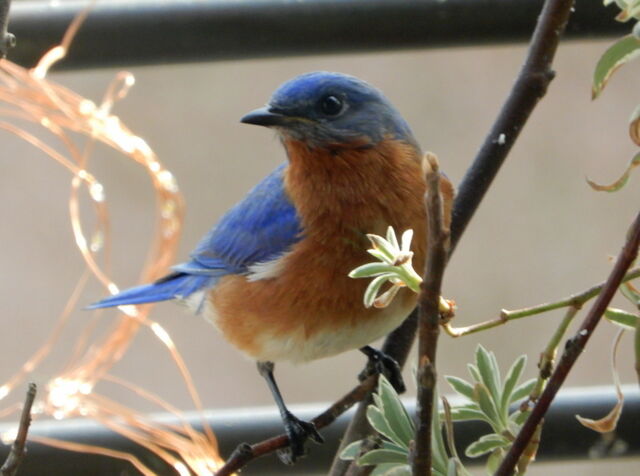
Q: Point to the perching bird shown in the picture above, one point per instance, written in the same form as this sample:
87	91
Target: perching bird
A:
272	275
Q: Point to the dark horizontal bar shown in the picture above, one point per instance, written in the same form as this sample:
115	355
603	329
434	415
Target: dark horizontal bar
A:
119	33
562	437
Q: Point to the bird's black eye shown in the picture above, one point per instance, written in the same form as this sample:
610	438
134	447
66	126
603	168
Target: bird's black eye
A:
331	105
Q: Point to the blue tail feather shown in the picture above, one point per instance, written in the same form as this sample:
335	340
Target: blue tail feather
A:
173	286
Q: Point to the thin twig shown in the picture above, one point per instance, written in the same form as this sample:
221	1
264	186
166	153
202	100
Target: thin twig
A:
548	355
429	318
575	300
7	40
573	348
16	455
246	453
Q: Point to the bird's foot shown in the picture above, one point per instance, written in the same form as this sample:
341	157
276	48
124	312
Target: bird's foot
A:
382	364
298	431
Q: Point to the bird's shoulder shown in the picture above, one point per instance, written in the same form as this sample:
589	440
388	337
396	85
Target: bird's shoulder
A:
259	228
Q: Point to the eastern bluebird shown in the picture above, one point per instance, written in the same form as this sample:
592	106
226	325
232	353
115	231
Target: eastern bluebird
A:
272	275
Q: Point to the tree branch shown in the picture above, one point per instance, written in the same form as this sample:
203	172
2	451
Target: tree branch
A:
246	453
7	40
16	455
573	348
429	318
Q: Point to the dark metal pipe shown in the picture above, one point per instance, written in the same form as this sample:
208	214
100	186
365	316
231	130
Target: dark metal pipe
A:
119	32
563	437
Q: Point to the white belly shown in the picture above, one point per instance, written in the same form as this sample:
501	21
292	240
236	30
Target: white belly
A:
297	348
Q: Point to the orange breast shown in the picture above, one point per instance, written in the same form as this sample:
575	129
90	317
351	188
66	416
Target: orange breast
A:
340	196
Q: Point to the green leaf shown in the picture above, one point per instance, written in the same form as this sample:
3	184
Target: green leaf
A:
487	406
489	372
486	444
394	411
351	451
381	456
513	375
629	292
381	256
452	469
398	470
622	51
391	237
465	414
440	455
456	468
381	425
519	417
630	9
388	445
494	460
461	386
372	290
624	319
370	270
381	469
496	369
380	244
522	390
473	371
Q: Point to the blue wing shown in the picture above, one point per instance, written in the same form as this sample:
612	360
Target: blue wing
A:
261	227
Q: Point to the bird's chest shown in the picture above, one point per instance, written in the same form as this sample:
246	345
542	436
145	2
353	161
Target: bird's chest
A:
305	306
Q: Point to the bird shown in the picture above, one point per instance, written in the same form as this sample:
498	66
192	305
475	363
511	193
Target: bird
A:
272	274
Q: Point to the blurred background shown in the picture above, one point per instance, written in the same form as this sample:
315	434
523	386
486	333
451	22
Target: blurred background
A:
540	234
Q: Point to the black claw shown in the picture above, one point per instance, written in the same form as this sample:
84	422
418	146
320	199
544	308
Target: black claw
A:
381	363
298	431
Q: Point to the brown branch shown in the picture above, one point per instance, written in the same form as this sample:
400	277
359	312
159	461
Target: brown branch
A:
7	40
16	455
573	348
246	453
429	318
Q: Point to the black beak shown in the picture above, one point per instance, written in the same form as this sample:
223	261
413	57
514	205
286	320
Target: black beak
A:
265	116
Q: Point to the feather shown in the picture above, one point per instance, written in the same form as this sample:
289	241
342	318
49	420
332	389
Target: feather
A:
262	226
259	229
174	286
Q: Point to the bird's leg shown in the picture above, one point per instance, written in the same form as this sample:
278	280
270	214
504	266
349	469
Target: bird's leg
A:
297	430
381	363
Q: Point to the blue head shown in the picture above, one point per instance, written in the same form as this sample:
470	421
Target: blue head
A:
331	109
